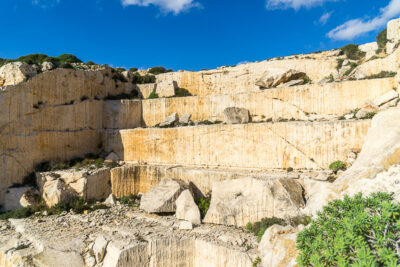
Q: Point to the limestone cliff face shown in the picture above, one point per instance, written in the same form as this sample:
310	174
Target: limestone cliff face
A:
243	78
266	145
293	102
54	115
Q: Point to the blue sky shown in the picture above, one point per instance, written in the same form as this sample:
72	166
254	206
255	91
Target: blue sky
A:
187	34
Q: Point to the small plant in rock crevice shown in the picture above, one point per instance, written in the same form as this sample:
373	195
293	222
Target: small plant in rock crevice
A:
337	166
204	204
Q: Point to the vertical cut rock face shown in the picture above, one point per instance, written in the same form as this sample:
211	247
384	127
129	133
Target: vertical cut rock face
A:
237	202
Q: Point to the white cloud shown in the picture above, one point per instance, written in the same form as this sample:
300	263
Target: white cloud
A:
174	6
45	3
356	27
295	4
325	17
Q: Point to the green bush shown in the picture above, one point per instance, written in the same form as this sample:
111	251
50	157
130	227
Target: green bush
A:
133	69
352	67
153	95
307	80
353	52
337	165
355	231
339	64
138	79
131	200
158	70
68	58
204	204
381	38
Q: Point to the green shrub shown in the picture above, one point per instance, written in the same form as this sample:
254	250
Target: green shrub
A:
182	92
132	95
133	69
204	204
369	116
307	80
68	58
339	64
355	231
381	38
158	70
337	165
352	67
138	79
90	63
121	69
382	74
290	169
352	52
153	95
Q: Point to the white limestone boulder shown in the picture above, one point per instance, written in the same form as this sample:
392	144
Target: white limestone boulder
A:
166	88
234	115
16	72
369	49
185	119
237	202
278	246
47	66
162	197
393	35
56	191
275	77
391	95
111	200
170	120
90	185
186	208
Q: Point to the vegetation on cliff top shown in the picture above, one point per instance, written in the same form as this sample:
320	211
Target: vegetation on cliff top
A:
38	59
355	231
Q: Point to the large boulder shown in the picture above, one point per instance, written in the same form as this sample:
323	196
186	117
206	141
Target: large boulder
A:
61	186
235	115
275	77
186	208
239	201
393	35
166	88
56	191
278	246
162	197
16	72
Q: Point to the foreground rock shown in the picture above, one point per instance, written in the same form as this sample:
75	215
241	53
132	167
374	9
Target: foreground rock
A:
119	237
235	115
186	208
237	202
16	72
162	198
278	246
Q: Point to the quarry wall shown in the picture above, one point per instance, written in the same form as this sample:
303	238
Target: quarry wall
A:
264	145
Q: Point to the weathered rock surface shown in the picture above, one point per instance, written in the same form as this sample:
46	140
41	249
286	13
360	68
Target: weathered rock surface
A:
185	119
47	66
16	72
278	246
234	115
162	198
386	98
166	88
237	202
186	208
